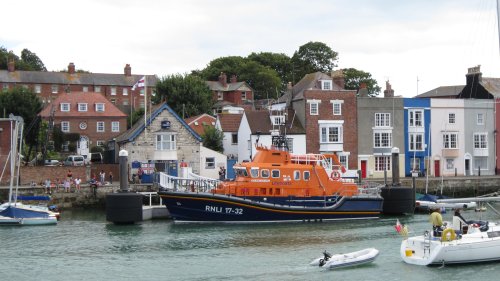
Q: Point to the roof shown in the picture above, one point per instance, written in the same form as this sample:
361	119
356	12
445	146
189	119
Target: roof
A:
132	133
218	86
230	122
310	82
75	98
260	121
443	91
492	85
98	79
198	123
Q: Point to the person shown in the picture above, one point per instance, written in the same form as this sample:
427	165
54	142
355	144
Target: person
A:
67	185
78	181
70	175
102	176
110	177
47	185
222	173
93	184
458	221
437	222
139	174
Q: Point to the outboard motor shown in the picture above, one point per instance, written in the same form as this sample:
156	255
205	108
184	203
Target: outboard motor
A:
327	256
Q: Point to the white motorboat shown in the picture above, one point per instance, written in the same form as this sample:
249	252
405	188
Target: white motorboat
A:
479	243
364	256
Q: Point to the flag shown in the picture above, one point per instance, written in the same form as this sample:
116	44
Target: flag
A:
139	83
398	226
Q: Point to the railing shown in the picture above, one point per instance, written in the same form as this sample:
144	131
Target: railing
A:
151	195
194	184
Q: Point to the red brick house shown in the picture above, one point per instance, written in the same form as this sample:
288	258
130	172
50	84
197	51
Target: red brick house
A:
198	123
91	115
328	113
232	93
117	88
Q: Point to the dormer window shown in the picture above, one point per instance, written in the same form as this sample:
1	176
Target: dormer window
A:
82	107
278	120
65	107
99	107
326	85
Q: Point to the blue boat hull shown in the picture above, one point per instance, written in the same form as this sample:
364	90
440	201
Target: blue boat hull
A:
207	207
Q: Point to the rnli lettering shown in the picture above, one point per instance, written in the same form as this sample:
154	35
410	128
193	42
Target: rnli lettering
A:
281	183
223	210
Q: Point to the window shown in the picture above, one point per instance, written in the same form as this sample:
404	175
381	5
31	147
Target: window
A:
5	86
82	107
450	140
220	95
243	95
313	108
480	140
343	160
450	164
451	118
326	85
480	119
382	139
275	173
278	120
125	102
416	142
100	126
99	107
337	106
264	173
234	138
307	175
296	175
165	142
415	164
125	91
382	163
210	163
100	143
115	126
331	134
65	146
254	172
65	126
65	107
85	89
416	117
382	119
141	92
38	89
113	91
480	163
97	89
55	89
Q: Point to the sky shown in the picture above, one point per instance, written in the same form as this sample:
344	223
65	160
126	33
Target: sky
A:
415	45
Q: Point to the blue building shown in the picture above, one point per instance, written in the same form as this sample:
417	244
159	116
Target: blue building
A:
417	119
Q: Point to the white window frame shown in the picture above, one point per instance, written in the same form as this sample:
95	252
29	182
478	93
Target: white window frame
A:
416	118
55	89
99	107
210	163
452	118
100	127
416	142
331	133
97	89
65	127
166	142
82	107
38	89
113	91
326	85
65	107
480	140
278	120
382	120
382	163
450	140
480	119
125	91
115	126
243	95
382	139
337	107
449	164
85	89
100	143
314	108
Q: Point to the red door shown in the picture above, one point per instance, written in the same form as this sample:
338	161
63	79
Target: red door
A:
363	169
436	168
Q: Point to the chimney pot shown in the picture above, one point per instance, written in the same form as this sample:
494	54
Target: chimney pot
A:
388	92
339	78
71	68
223	79
11	66
127	70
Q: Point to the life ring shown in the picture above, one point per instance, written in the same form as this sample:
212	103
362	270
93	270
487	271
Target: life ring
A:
335	175
446	232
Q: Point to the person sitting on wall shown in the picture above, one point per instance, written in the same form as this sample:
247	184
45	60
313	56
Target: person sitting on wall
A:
437	222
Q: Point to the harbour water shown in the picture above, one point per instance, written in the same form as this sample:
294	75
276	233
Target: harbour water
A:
83	246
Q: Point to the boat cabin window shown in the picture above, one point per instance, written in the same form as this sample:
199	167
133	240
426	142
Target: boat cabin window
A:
254	172
264	173
306	175
241	172
276	173
296	175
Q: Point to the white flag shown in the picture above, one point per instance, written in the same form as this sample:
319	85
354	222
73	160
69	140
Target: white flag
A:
139	83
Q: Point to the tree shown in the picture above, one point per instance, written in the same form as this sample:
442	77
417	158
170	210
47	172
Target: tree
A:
187	95
313	57
353	79
28	60
212	138
32	60
280	63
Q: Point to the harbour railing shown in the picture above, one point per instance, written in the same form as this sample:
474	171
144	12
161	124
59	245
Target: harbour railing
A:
194	183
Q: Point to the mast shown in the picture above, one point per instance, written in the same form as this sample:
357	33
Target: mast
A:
498	22
145	106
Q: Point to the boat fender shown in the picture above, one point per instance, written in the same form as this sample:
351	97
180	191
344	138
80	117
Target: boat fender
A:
335	175
448	235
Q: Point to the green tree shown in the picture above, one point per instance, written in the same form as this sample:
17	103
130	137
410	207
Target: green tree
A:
280	63
188	95
313	57
32	60
136	115
212	138
27	61
354	77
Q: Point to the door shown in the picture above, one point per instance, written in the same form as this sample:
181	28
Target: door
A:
436	168
172	168
230	171
363	169
467	167
83	146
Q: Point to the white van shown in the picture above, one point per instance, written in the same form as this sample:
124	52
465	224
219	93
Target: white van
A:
74	160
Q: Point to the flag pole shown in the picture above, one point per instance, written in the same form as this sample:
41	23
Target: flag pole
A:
145	106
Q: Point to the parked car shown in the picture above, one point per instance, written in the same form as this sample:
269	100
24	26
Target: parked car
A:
96	157
52	162
74	160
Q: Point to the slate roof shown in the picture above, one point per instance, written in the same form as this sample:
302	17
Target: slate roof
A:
309	82
98	79
260	121
90	98
230	122
443	91
132	133
492	85
217	86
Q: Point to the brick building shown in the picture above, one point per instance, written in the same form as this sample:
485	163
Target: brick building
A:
230	94
117	88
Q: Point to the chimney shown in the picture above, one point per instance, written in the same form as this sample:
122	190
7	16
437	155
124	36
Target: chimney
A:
388	92
233	79
289	86
223	79
474	75
71	68
11	66
363	91
127	70
339	78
